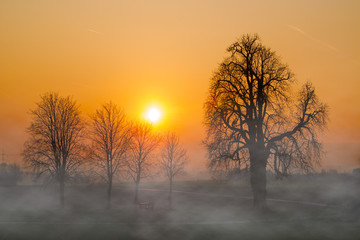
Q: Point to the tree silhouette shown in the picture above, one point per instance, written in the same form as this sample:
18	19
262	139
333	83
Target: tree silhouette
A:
54	145
173	159
110	135
143	143
250	107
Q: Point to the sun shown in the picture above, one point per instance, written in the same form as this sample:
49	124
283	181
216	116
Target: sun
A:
153	115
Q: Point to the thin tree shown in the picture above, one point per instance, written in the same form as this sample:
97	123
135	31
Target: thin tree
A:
110	135
250	97
173	159
54	145
143	144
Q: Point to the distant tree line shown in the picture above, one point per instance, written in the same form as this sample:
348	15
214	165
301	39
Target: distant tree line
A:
62	145
10	174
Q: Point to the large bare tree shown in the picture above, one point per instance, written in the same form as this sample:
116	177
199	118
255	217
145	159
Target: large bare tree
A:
251	107
144	142
54	145
173	159
110	135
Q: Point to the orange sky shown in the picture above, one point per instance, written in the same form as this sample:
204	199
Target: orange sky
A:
140	52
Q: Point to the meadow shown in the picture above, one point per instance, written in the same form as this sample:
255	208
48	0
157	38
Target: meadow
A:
311	207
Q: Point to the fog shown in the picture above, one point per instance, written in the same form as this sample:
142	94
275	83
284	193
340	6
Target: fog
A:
235	80
321	206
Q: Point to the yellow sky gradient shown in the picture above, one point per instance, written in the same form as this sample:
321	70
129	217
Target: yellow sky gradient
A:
138	53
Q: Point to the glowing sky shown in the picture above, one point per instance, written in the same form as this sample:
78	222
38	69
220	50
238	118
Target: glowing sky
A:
153	115
136	53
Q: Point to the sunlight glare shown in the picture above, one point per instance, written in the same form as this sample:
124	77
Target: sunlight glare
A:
153	115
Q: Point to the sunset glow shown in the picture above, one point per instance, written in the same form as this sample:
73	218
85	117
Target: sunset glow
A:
135	53
153	115
179	119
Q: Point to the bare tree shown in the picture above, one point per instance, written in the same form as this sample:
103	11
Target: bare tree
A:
54	145
110	135
173	159
250	98
143	143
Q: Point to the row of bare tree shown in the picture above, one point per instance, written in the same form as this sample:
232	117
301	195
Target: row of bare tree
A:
60	141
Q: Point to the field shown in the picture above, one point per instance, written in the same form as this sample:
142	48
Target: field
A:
303	207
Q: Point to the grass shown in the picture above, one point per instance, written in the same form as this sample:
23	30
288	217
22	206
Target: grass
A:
202	210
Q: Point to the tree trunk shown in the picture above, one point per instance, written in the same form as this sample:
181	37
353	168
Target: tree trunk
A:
170	193
109	192
136	192
258	178
62	193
